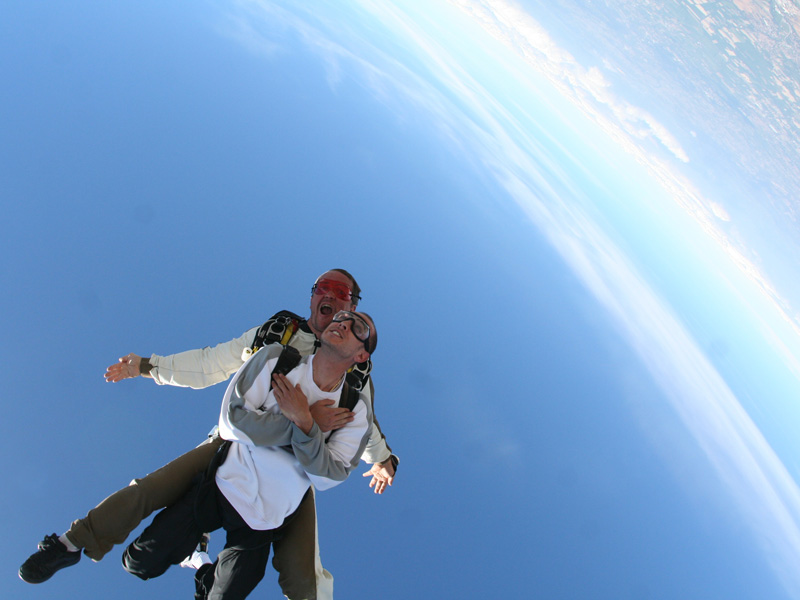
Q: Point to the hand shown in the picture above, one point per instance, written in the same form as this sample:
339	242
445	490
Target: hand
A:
382	475
292	402
329	418
127	367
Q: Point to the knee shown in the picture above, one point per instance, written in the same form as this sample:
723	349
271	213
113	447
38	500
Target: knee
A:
305	589
133	566
298	584
140	563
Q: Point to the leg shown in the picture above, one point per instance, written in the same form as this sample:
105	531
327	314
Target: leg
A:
241	565
173	535
203	581
238	571
296	556
115	517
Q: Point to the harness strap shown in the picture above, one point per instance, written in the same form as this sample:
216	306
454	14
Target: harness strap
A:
278	329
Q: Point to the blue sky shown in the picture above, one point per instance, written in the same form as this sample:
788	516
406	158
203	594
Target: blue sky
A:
586	293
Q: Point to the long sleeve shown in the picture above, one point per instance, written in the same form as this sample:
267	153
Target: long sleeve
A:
265	483
202	367
243	416
328	462
377	449
257	427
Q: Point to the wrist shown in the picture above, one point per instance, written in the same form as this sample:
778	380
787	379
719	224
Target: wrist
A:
304	423
392	460
145	367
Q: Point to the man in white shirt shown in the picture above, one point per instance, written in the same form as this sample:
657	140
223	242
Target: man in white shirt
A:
261	483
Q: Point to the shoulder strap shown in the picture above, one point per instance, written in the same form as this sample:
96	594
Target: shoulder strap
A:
278	329
353	384
349	397
288	360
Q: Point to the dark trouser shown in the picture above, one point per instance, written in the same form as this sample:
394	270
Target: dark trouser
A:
292	557
175	532
203	581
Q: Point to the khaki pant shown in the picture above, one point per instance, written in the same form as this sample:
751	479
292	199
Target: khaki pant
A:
296	556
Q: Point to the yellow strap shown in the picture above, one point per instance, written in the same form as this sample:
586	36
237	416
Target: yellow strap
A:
287	335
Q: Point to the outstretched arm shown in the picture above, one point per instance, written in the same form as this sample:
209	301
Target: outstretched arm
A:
378	453
196	369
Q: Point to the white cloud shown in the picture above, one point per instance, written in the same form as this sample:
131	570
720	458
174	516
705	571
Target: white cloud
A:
588	87
628	125
719	211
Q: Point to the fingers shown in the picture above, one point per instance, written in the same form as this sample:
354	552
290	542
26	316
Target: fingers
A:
281	386
281	382
340	417
285	391
344	419
376	482
342	413
380	478
114	373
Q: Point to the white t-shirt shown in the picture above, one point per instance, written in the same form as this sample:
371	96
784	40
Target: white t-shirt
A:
265	483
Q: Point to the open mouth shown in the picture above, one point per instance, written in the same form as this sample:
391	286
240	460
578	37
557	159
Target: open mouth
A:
326	309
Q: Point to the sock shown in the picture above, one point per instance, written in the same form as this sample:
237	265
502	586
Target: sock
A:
70	546
196	560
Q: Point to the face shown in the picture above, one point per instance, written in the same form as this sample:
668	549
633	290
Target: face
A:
350	333
327	303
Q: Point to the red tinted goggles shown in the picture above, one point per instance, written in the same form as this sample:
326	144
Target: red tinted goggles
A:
334	288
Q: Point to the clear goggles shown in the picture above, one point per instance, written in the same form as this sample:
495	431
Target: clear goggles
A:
359	327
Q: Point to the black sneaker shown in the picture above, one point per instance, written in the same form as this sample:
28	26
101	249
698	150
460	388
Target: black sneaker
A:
52	556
